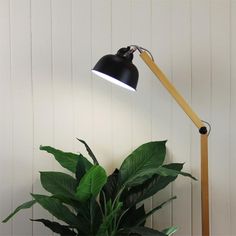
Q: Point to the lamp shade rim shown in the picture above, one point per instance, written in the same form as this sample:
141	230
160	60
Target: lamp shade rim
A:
113	80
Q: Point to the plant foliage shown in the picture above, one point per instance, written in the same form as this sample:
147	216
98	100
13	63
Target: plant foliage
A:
91	203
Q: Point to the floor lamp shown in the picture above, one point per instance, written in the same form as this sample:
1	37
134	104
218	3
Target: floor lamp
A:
120	70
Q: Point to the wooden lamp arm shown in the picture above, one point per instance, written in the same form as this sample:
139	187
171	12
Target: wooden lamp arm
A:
204	137
172	90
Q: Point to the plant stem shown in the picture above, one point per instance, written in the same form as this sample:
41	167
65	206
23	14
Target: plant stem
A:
118	196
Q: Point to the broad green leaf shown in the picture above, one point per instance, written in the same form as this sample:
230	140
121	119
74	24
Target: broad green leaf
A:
150	187
86	213
96	216
89	151
59	183
56	227
81	169
67	160
142	163
132	217
56	208
163	171
83	214
154	210
108	220
68	201
91	183
89	214
141	231
110	188
170	231
25	205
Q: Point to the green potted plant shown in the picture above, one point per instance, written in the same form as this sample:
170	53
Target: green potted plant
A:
94	204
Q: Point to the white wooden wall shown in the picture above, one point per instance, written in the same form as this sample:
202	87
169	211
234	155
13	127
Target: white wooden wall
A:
48	96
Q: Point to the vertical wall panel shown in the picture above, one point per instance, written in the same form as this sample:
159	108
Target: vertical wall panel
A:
42	100
81	69
64	134
181	30
141	35
121	98
63	102
220	117
101	45
232	121
22	112
5	118
201	95
161	100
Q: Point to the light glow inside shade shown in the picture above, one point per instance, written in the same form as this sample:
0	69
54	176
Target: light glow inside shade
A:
112	80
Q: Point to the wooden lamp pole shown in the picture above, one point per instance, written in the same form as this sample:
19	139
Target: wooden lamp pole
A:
203	132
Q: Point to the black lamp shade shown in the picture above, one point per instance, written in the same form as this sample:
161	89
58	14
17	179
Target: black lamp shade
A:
118	70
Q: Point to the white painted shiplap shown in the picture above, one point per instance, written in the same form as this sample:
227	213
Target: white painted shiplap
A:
232	159
220	114
141	123
102	91
181	136
122	99
43	101
6	126
62	74
162	114
22	112
48	96
81	75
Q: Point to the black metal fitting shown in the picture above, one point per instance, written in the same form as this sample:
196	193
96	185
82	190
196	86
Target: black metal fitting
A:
203	130
125	53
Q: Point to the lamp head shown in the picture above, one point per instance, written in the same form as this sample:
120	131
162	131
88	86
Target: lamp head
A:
118	69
